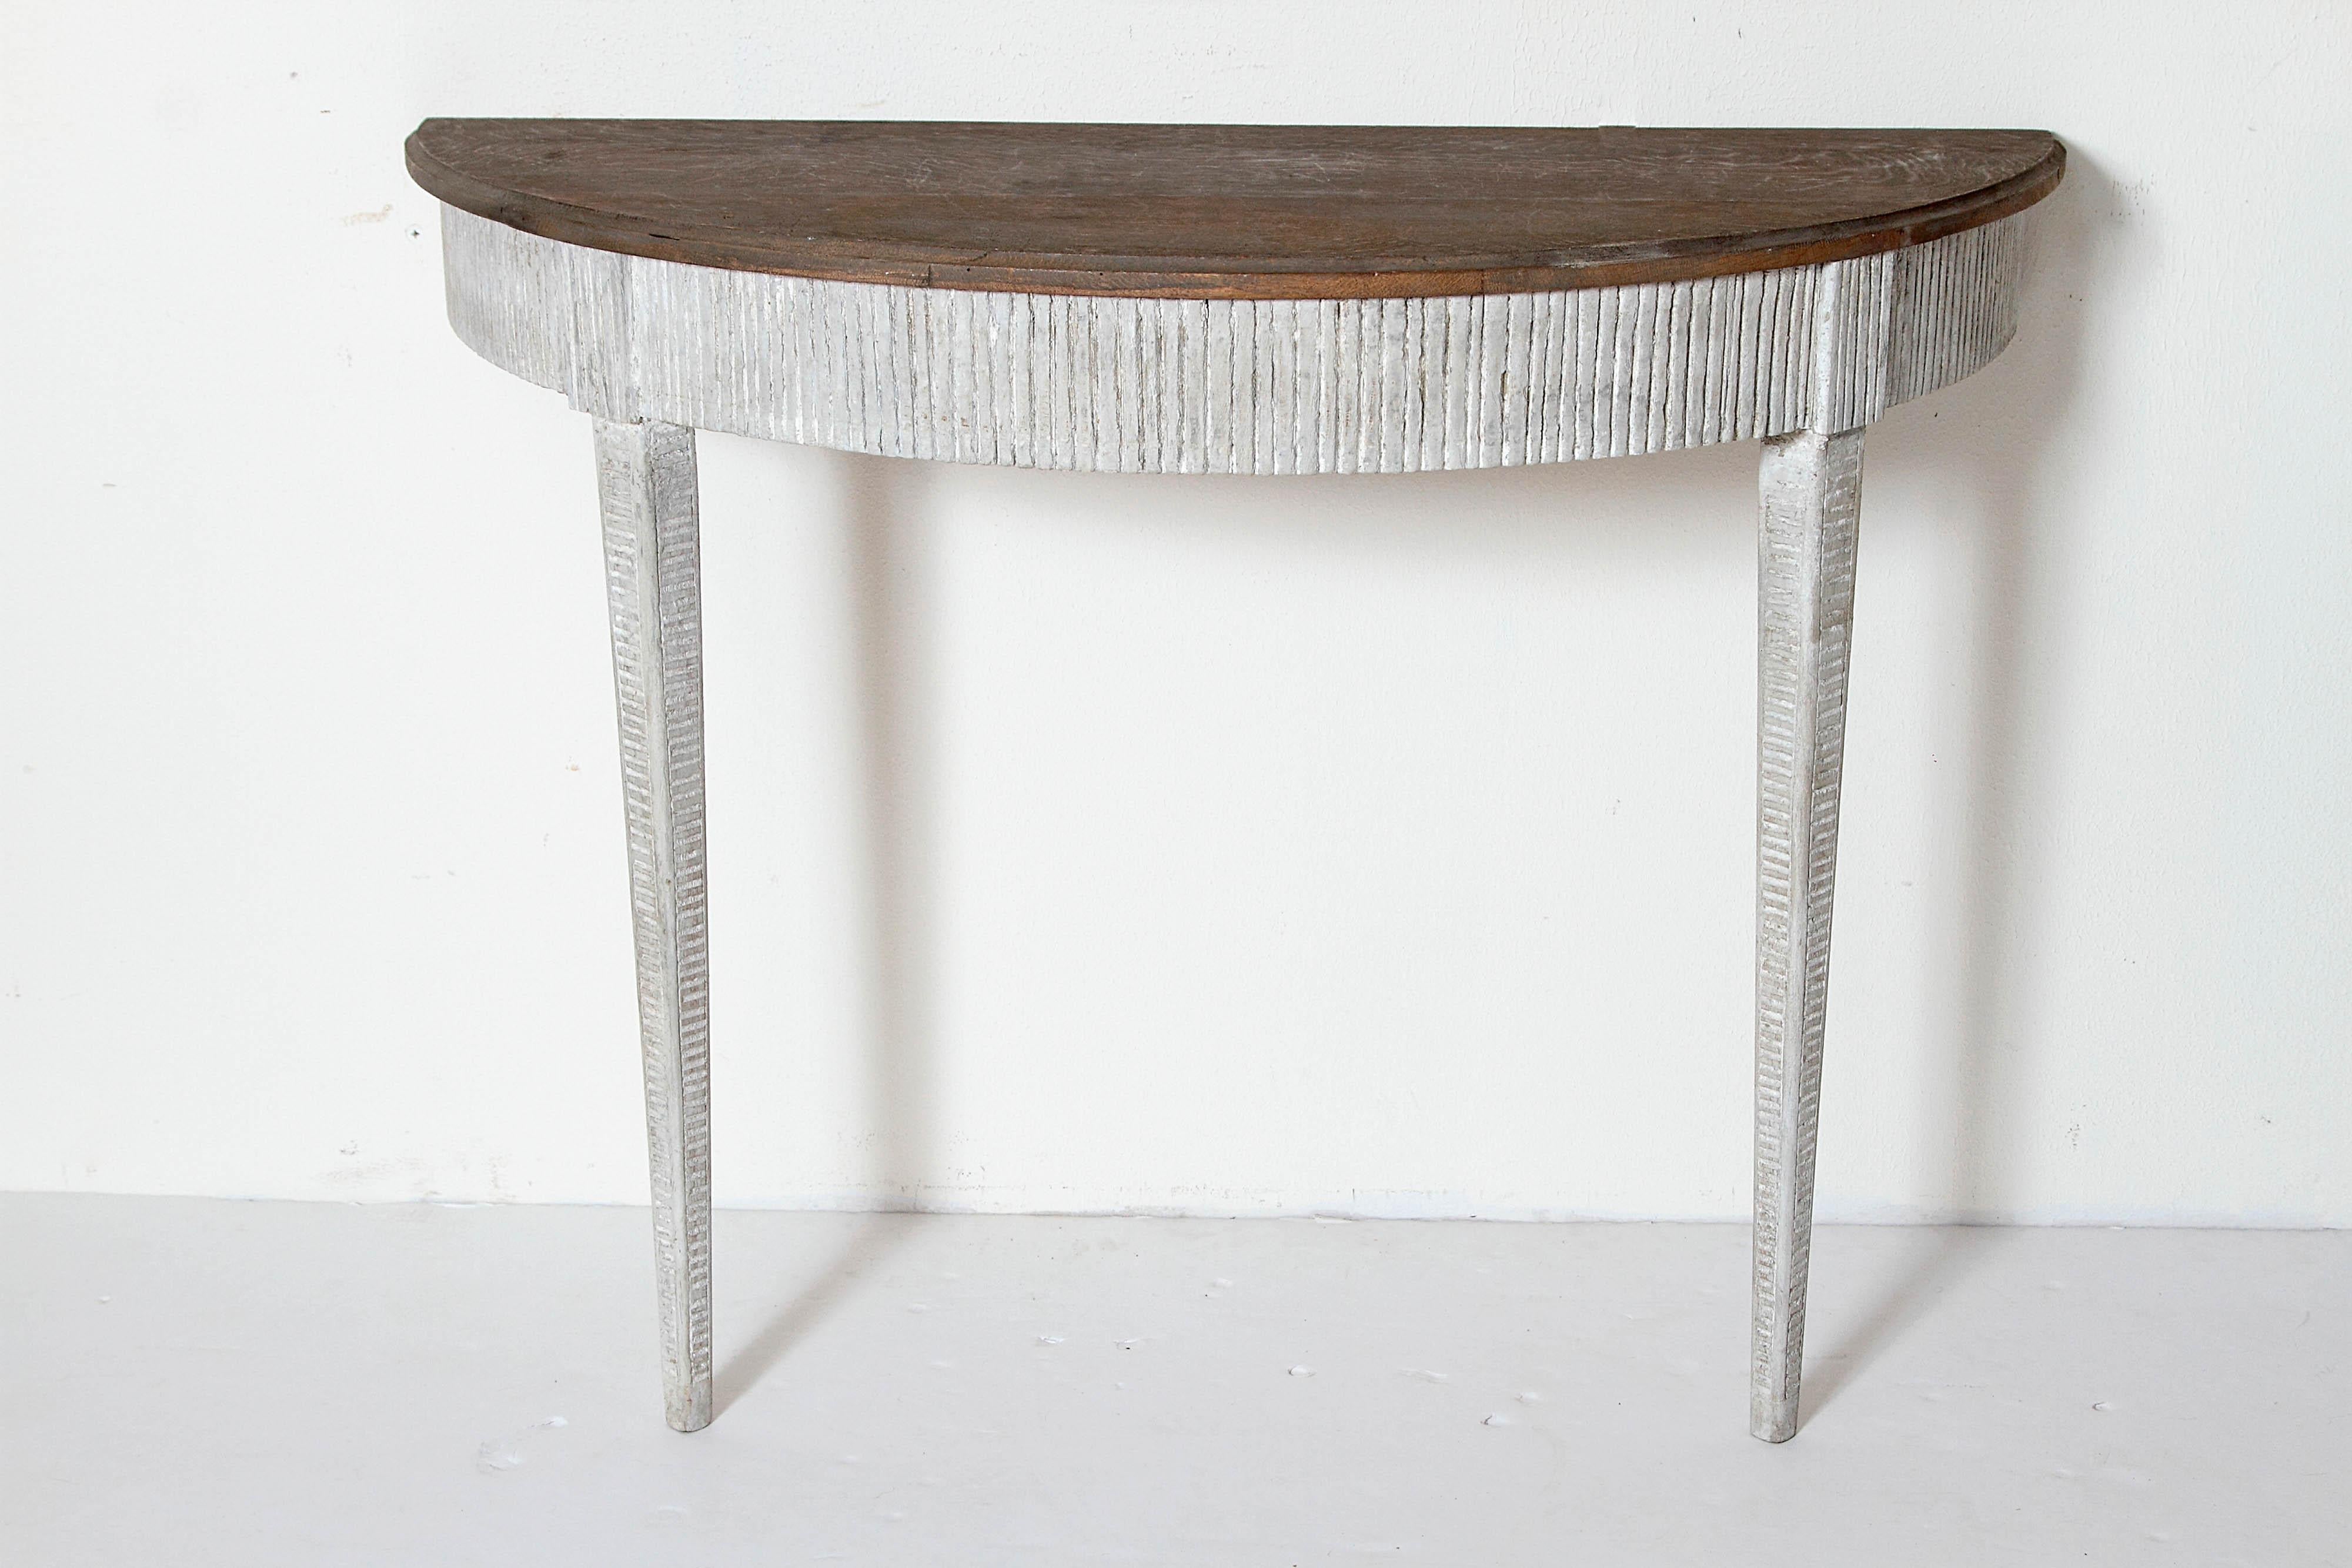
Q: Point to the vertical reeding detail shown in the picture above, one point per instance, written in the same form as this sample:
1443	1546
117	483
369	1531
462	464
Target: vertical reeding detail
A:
645	484
1850	321
1811	487
1421	324
1244	386
1336	389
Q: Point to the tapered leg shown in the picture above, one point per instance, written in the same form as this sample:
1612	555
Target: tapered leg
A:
646	481
1811	495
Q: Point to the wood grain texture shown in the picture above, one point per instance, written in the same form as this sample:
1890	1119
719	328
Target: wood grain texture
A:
1230	211
646	481
1811	488
1229	386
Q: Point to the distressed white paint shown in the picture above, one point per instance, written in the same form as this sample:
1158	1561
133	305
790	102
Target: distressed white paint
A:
646	481
1802	356
1222	386
1812	506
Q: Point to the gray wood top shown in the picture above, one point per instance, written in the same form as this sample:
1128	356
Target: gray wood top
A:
1228	211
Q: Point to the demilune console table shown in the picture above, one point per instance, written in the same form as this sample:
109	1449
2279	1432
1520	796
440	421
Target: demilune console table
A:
1232	299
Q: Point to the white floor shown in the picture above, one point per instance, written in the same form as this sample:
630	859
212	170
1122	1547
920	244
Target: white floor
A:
186	1381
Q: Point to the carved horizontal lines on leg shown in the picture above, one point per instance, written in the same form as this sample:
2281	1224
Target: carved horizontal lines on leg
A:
1811	486
646	481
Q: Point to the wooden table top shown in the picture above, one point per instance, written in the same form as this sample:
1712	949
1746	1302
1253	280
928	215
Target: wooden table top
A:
1228	211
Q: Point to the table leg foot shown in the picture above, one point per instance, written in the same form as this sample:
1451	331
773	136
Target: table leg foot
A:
1811	486
645	483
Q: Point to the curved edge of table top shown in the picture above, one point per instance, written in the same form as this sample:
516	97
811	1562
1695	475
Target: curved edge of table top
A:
1233	212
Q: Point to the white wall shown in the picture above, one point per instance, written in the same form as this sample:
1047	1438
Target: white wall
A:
1084	843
